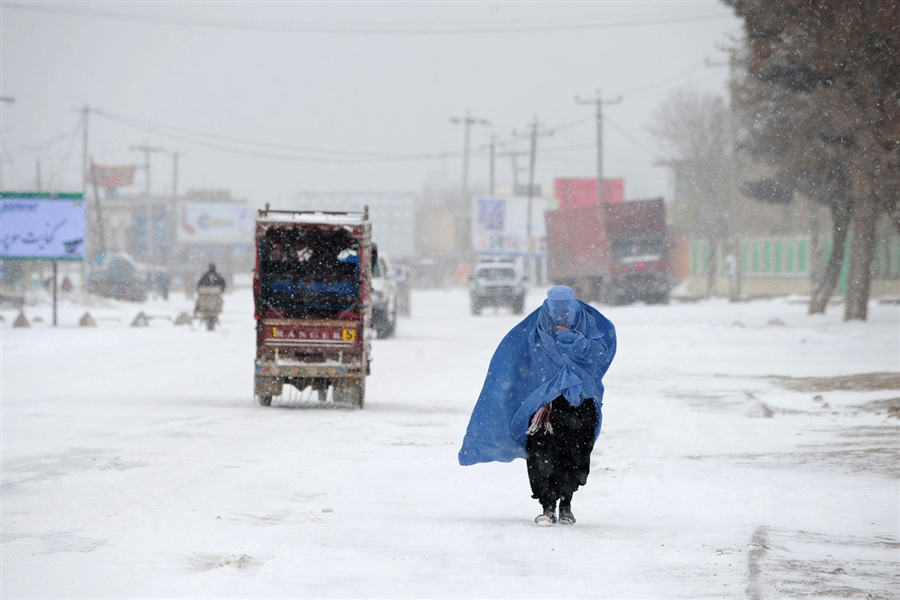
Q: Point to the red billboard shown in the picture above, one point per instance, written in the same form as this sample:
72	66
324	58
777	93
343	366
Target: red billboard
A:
581	192
110	176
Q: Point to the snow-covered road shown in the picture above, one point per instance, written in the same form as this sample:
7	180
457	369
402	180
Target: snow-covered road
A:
738	458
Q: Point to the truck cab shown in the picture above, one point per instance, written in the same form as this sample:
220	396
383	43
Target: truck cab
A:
613	253
311	291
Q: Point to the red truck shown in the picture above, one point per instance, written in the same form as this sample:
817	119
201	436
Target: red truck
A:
612	253
311	291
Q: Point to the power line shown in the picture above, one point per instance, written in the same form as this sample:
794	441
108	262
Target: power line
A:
43	146
570	124
225	143
634	140
164	129
368	29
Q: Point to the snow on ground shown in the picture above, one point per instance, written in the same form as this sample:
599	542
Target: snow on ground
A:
739	457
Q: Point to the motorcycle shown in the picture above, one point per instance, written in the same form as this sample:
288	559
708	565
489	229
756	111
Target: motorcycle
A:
209	305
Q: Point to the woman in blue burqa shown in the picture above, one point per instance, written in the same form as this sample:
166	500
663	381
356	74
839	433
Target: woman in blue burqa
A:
542	399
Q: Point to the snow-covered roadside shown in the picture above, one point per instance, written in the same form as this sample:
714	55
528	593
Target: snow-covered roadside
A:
135	464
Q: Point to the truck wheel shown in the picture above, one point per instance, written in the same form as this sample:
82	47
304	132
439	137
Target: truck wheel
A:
386	327
383	327
265	400
350	391
476	307
662	298
519	306
392	326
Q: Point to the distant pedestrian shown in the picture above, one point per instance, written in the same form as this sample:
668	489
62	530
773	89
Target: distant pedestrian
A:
211	279
542	400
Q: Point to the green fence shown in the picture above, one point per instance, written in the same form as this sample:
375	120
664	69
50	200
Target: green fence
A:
791	257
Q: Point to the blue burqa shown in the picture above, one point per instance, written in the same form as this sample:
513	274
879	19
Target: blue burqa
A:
536	363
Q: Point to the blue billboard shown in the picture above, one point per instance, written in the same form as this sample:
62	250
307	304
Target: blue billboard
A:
36	226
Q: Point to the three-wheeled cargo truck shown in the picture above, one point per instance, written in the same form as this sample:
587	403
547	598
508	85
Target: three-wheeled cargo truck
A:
311	290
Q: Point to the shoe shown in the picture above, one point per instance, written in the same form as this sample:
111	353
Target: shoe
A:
546	518
565	516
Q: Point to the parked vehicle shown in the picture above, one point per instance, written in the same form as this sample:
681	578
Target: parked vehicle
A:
384	295
312	303
612	253
118	275
208	306
497	284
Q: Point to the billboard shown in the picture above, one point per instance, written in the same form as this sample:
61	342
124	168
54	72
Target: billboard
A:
113	176
581	192
500	225
35	226
215	223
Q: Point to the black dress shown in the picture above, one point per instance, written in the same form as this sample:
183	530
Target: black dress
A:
559	462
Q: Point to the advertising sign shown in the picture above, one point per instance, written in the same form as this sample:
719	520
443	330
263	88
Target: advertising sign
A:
114	176
500	225
35	226
581	192
214	223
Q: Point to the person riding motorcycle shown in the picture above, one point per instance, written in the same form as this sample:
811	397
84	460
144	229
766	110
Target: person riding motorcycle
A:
209	297
211	279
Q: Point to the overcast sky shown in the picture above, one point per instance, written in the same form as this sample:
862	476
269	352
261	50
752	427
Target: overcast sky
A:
288	88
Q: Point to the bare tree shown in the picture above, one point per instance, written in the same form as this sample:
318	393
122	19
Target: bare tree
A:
694	129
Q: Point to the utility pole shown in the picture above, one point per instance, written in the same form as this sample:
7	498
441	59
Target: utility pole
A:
464	246
514	155
37	178
529	242
491	178
98	208
598	101
174	175
147	150
85	166
152	242
493	165
467	123
4	100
